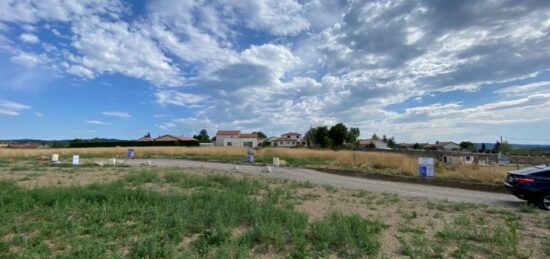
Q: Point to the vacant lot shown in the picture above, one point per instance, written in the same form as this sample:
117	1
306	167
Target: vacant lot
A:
361	163
125	212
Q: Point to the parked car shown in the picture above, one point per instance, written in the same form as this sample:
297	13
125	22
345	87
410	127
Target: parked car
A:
531	184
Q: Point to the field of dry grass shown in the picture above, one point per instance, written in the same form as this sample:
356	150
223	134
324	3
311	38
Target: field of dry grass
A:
391	163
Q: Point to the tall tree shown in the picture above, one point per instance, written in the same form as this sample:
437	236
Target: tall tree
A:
310	137
260	134
496	148
337	134
483	148
202	137
391	142
375	137
321	137
353	134
467	145
385	139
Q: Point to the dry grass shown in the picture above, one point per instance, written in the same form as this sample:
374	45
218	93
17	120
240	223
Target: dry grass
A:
400	164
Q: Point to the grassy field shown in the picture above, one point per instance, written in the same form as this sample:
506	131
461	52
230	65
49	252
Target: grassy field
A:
115	212
362	162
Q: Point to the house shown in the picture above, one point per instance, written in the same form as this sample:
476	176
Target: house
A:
234	138
145	138
173	138
372	143
443	146
289	139
464	158
411	146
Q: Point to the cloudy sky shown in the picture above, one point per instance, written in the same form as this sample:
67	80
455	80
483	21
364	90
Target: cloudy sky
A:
418	70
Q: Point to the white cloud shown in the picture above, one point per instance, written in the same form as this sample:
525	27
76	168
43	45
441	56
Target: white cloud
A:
31	11
179	98
29	38
120	47
543	86
97	122
39	114
11	108
81	71
28	59
123	115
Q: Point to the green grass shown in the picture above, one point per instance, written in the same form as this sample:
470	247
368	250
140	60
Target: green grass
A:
126	219
546	246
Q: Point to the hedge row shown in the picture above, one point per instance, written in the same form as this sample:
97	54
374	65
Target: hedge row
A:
186	143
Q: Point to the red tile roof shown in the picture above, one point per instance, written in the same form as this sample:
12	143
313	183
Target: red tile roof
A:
228	132
291	133
183	138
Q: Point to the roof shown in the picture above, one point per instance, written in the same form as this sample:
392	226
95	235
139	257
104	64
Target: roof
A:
440	144
288	139
291	133
411	144
228	132
370	141
182	138
247	135
145	138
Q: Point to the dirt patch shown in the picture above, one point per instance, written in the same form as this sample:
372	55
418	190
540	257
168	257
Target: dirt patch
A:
35	179
408	179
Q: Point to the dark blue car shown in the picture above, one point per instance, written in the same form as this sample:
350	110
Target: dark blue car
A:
531	184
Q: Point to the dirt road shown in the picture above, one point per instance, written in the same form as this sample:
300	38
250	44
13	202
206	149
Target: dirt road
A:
316	177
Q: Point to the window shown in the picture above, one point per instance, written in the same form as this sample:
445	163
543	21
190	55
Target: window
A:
229	144
468	158
247	144
544	173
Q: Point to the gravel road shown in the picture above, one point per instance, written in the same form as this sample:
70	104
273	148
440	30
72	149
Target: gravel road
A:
298	174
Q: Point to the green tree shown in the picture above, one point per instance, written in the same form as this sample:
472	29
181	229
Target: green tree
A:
353	134
375	137
416	146
391	142
483	148
202	137
337	134
310	137
321	136
260	134
496	148
467	145
385	139
505	147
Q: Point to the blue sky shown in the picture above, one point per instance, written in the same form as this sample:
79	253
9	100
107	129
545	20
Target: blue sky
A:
418	70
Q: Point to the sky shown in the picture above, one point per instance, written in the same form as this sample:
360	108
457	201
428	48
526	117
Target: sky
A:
418	70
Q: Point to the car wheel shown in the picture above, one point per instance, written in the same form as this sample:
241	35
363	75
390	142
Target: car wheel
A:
544	202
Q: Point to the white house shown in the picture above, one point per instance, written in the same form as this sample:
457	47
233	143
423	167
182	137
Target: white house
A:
443	146
234	138
373	143
289	139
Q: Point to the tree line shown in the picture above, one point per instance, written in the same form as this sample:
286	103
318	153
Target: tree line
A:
337	136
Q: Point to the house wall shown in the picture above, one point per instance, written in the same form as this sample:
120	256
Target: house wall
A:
238	142
220	139
253	141
451	147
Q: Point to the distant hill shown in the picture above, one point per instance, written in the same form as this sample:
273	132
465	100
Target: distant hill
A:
490	146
